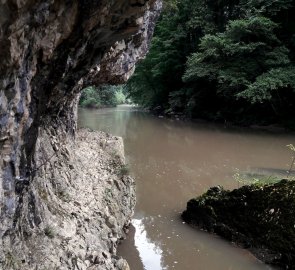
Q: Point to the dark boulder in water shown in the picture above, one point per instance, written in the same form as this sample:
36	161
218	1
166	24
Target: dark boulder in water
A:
259	218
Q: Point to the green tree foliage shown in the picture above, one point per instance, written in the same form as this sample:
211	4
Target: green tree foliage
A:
176	34
103	96
90	98
235	58
221	60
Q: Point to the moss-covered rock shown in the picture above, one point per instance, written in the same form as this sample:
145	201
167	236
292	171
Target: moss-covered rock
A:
260	218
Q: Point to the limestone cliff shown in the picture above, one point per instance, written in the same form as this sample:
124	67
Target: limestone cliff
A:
51	216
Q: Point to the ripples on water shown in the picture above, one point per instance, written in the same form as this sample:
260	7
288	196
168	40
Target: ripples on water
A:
173	162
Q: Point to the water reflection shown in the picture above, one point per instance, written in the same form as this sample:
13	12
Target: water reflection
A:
173	162
150	254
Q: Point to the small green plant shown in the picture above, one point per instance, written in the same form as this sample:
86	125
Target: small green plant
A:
292	148
108	195
254	179
114	155
64	195
11	261
243	180
49	232
43	194
124	170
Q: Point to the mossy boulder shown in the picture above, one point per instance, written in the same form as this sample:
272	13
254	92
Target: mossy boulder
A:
260	218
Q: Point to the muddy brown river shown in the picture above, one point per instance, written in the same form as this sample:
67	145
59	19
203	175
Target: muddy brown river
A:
174	161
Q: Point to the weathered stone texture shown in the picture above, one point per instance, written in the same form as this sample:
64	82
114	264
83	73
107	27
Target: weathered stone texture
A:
49	50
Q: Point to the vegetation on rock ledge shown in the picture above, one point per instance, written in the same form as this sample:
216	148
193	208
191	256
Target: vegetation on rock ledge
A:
260	218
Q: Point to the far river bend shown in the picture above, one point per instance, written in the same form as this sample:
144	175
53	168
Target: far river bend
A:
174	161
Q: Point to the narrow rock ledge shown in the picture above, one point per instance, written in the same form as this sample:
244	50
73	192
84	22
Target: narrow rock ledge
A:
84	198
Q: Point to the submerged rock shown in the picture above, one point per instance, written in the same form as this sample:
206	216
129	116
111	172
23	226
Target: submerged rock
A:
260	218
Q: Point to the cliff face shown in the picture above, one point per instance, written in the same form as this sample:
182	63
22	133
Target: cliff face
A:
49	51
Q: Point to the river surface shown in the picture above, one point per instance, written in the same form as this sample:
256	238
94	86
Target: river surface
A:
174	161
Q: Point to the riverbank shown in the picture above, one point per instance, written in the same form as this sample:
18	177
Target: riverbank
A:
251	123
259	218
82	200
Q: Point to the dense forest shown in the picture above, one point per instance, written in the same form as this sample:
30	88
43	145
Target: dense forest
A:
227	60
103	96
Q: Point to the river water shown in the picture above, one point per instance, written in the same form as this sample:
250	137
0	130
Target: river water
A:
174	161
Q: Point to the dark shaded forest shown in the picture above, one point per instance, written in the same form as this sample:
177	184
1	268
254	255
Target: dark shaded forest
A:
226	61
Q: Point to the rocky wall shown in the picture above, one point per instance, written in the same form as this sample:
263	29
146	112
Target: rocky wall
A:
49	51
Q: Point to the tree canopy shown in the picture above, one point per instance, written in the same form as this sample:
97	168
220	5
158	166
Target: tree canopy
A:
221	60
103	96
